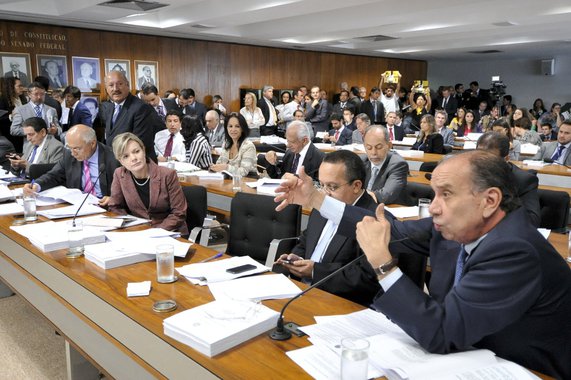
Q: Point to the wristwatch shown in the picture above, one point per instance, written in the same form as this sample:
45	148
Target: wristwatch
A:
386	267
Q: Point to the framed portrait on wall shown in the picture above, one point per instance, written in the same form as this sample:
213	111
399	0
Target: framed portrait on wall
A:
17	65
92	104
53	67
147	72
86	73
123	65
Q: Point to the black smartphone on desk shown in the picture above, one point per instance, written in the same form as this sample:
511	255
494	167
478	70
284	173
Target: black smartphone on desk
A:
241	269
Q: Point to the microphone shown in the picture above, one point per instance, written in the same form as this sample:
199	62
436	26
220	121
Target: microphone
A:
428	176
550	161
280	333
101	170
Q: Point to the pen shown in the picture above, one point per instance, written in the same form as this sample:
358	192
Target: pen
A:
219	254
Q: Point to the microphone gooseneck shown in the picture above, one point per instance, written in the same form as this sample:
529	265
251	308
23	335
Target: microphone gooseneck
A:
280	333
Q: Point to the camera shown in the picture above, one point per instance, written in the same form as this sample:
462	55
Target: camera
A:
498	88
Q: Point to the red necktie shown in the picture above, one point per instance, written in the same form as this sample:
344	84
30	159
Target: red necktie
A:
89	186
391	136
337	135
168	148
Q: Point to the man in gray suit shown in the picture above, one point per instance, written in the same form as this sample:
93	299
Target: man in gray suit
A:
40	147
214	129
386	171
559	150
35	108
440	117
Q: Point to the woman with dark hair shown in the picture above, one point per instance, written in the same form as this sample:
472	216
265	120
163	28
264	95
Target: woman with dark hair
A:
11	96
468	124
521	112
538	108
553	117
429	140
502	126
238	155
196	143
421	103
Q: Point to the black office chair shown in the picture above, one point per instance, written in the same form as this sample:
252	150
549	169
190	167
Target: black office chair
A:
415	191
428	166
554	208
254	223
196	205
37	170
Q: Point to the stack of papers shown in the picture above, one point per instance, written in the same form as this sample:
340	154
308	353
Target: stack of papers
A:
108	223
62	193
138	289
266	186
110	255
255	288
217	326
71	211
538	163
51	236
410	153
529	148
11	208
215	271
206	174
273	139
6	194
181	167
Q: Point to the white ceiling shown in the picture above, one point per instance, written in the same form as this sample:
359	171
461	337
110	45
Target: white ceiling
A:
428	30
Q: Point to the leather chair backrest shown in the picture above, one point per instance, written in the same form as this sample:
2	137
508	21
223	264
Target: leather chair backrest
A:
554	208
37	170
415	191
196	205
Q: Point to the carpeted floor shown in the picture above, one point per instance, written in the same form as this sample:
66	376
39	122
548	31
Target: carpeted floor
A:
29	347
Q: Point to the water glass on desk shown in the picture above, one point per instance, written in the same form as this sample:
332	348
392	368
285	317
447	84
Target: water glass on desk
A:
75	239
423	205
236	182
29	203
165	263
354	358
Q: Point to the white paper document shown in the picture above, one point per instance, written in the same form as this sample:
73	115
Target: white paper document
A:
410	153
206	174
11	208
266	186
70	211
73	196
138	289
529	148
109	223
272	140
181	167
111	255
217	326
6	194
403	212
215	271
255	288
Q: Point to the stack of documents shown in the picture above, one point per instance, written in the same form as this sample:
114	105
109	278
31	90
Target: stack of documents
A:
51	236
255	288
215	271
109	223
110	255
217	326
206	174
71	211
265	186
181	167
6	194
62	193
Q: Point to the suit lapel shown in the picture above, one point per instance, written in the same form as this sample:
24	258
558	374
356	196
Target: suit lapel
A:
154	186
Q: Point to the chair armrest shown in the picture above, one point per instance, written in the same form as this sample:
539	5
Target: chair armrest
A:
204	233
274	249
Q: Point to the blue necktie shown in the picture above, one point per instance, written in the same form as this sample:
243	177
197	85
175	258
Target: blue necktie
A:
460	265
558	152
38	111
116	113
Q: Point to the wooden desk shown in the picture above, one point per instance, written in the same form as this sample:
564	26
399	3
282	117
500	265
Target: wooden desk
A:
220	194
88	305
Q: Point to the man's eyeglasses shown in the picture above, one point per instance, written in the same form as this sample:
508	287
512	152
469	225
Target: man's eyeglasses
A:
331	187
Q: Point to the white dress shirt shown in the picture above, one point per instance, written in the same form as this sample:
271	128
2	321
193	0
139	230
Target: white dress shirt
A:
178	148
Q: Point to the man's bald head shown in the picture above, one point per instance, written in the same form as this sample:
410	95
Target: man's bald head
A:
117	86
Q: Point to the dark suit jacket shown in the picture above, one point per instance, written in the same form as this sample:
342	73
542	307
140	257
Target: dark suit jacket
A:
80	115
345	137
398	131
167	204
357	283
390	184
367	108
265	129
318	116
171	104
526	183
68	171
434	144
311	163
5	147
136	117
514	297
198	110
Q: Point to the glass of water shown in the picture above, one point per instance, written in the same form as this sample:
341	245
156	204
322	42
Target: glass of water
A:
75	239
29	203
423	205
354	358
165	263
236	182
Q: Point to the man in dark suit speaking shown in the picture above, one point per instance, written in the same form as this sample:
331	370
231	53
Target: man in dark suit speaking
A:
80	166
321	250
496	282
127	113
300	152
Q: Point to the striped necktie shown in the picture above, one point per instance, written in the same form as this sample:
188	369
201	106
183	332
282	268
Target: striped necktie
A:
460	265
38	110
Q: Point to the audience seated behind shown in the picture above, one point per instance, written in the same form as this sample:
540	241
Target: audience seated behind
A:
429	140
198	150
175	150
40	147
339	135
214	128
523	132
321	250
502	126
143	189
558	151
388	184
238	156
84	150
298	143
362	122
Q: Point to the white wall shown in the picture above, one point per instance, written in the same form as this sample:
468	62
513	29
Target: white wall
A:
523	77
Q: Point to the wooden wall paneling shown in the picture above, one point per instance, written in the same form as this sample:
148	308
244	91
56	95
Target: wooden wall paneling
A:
171	64
219	72
310	65
240	75
328	79
197	68
259	67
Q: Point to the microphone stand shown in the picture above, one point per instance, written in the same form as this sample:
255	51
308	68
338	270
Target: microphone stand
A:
88	192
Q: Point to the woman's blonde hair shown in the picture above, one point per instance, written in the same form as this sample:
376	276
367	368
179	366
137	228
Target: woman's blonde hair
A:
120	144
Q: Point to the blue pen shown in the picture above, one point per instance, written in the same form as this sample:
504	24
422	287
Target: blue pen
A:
219	254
